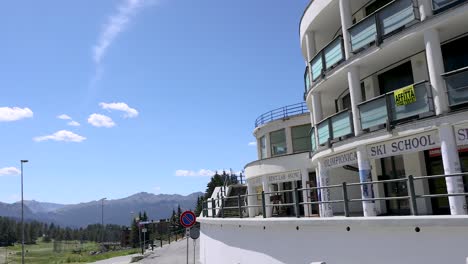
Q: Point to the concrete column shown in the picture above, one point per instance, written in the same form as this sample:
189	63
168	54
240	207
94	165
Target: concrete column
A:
326	209
435	65
268	145
316	113
319	193
451	161
310	43
305	198
356	97
289	144
367	190
251	200
266	188
425	9
346	22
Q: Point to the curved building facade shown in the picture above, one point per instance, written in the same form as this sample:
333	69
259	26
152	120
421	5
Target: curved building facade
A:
386	86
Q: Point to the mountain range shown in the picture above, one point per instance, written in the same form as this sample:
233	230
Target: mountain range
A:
118	211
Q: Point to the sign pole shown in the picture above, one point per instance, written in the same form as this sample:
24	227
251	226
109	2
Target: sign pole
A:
187	248
194	241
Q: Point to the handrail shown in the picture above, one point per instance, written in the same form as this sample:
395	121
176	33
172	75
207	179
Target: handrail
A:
281	113
412	196
454	71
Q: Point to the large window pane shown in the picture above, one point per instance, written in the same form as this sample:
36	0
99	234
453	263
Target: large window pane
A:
263	150
278	142
300	138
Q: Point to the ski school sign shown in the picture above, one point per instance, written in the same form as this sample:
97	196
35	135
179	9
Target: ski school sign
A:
413	143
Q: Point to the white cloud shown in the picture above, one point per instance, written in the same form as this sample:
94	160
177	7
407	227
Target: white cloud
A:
73	123
116	24
62	135
8	114
202	173
9	171
157	189
190	173
128	111
64	117
253	143
98	120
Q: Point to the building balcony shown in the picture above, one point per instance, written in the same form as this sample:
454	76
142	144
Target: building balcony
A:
282	113
391	18
441	5
335	127
387	110
325	60
457	87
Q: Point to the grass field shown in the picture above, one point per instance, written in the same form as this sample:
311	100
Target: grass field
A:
43	253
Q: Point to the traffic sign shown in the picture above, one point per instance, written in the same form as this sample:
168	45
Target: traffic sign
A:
194	233
144	230
187	219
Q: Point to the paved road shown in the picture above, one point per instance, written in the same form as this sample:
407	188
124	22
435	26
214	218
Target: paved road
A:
175	253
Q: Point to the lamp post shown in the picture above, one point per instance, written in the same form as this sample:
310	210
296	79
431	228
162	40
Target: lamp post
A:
22	214
102	219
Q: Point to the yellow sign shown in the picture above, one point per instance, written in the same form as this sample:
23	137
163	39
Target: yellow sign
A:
404	96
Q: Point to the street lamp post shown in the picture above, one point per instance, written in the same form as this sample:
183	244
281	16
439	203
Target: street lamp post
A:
22	214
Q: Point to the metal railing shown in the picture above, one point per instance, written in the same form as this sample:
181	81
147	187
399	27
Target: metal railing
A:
328	58
335	126
384	22
282	113
382	110
409	181
442	5
457	86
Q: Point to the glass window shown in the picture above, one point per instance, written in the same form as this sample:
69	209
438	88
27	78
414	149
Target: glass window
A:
376	5
455	54
263	150
396	78
278	142
300	138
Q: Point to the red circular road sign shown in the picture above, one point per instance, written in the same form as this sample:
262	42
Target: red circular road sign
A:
187	219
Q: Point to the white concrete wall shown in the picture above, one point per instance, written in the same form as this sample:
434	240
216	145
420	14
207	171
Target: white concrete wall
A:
382	240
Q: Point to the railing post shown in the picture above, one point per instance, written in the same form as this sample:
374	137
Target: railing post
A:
222	207
412	195
263	204
296	202
239	205
345	199
213	208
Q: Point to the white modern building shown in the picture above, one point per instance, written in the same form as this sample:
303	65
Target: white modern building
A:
380	143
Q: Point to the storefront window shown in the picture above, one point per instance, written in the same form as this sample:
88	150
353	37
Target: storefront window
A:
263	150
300	138
278	142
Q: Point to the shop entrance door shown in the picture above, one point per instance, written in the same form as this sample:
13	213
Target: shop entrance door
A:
394	168
440	205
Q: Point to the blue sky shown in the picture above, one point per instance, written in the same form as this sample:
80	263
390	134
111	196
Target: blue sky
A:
109	98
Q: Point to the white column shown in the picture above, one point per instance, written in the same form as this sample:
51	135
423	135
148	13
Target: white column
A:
251	200
316	113
289	144
435	65
268	145
310	43
326	209
451	162
425	9
356	97
305	198
319	196
346	22
367	190
266	188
